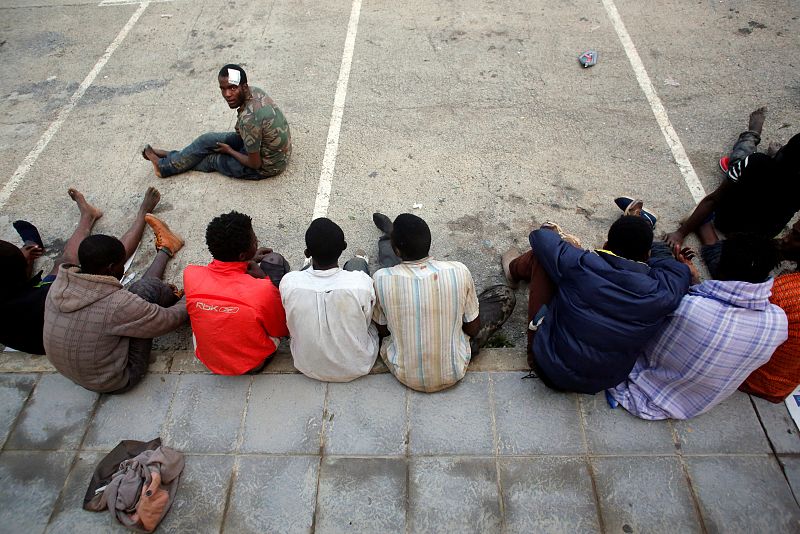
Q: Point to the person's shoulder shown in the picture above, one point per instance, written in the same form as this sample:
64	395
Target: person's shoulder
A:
356	279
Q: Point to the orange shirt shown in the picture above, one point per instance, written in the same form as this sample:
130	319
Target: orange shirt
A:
777	378
236	319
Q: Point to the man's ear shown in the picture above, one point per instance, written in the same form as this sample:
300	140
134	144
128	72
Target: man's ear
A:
307	253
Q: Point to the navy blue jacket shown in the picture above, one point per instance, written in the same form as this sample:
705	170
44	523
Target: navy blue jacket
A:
605	308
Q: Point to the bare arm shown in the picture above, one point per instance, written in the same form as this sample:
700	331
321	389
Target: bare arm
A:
251	160
471	328
700	214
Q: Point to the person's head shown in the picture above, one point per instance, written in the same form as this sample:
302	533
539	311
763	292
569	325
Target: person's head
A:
102	254
324	242
411	237
13	268
233	85
631	237
747	258
788	157
790	244
230	237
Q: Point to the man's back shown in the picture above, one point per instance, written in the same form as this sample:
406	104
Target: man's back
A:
424	304
329	315
264	129
605	309
236	319
88	322
721	331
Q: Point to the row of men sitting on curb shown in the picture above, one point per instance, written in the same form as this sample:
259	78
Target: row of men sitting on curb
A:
631	318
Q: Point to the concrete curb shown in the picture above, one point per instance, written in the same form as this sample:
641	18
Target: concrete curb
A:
184	362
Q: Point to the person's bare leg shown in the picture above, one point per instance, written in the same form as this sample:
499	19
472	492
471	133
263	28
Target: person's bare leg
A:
159	265
756	122
707	234
134	234
89	216
149	153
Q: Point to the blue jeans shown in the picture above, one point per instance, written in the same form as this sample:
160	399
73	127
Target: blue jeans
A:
200	156
745	145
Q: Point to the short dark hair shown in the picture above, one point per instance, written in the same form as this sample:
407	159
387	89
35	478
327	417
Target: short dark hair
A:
13	268
631	237
325	240
223	72
229	235
747	258
98	251
411	236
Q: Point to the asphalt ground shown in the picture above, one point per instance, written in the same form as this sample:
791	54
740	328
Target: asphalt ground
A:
478	113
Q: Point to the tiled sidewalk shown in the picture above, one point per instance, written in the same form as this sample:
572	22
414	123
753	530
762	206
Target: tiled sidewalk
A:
280	453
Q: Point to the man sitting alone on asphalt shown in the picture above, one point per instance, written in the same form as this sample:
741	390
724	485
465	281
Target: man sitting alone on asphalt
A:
329	309
602	306
760	194
722	331
259	148
428	309
234	307
98	334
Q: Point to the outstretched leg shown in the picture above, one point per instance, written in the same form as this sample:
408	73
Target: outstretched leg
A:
749	140
132	237
89	216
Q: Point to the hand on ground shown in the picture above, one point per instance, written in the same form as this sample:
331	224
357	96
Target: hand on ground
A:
674	239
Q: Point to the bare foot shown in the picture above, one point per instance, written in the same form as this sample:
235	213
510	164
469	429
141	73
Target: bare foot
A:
151	199
757	117
150	154
773	148
87	210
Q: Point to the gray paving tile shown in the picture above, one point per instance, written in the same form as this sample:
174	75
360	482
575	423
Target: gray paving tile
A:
533	419
55	417
284	415
138	414
618	432
273	494
200	501
730	427
780	427
31	481
548	495
14	389
645	494
453	421
68	514
367	417
791	466
743	494
362	495
206	413
453	495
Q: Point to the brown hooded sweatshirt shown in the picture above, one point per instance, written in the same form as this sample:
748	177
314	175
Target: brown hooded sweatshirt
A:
88	320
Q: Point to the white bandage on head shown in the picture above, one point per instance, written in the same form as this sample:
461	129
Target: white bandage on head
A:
234	76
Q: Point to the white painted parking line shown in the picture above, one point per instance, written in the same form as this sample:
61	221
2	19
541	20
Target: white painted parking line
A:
105	3
64	112
332	144
674	142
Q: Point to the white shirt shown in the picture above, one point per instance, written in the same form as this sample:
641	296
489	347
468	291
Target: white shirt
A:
329	315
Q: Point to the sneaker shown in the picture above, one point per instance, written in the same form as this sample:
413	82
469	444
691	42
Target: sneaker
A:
724	164
383	222
506	259
360	253
624	203
165	238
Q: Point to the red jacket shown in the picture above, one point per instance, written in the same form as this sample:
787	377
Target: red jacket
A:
233	315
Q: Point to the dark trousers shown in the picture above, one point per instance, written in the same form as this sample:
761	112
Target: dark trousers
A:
155	291
745	145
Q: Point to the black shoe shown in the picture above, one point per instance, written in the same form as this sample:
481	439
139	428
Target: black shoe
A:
383	222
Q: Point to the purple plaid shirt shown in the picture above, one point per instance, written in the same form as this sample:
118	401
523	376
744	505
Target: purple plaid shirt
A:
721	332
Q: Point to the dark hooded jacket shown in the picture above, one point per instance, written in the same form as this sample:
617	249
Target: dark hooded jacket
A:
604	311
